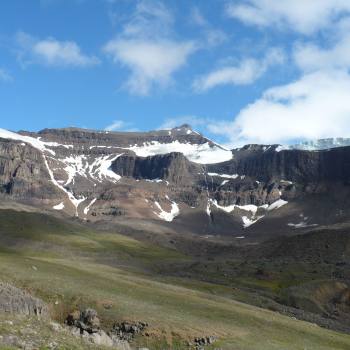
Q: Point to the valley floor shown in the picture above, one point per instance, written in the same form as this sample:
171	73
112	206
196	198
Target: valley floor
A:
71	266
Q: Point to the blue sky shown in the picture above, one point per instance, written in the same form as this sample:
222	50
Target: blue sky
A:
240	71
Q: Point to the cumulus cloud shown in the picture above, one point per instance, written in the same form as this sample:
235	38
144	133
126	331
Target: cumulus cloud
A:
147	49
315	106
246	72
304	16
51	52
150	62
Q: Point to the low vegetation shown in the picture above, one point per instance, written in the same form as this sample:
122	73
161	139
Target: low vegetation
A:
72	267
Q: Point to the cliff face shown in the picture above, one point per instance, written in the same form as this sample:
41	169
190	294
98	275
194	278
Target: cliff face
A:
304	167
23	173
162	175
172	167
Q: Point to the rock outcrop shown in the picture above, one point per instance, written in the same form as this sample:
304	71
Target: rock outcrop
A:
128	330
86	324
16	301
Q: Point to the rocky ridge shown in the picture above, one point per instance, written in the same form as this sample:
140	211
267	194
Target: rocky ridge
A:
162	175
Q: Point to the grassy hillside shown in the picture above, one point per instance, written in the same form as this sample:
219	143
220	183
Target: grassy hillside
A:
70	266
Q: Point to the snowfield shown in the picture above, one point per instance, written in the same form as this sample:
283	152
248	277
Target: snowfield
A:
197	153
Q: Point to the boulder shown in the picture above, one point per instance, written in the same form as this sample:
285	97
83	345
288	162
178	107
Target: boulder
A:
89	321
101	338
86	320
127	330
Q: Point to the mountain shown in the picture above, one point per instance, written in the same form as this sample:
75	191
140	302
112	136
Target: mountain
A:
174	176
169	229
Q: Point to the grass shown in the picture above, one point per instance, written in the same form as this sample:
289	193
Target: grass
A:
40	335
70	266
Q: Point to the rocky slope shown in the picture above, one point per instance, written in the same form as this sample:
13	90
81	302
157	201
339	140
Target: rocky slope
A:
175	176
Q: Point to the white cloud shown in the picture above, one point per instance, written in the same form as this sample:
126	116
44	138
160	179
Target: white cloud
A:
5	76
150	19
147	49
248	71
304	16
212	36
151	62
52	52
310	57
117	125
315	106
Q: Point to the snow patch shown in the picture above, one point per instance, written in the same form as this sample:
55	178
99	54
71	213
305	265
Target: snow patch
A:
166	216
75	201
227	209
58	206
197	153
226	176
249	222
230	208
87	208
55	144
253	209
208	209
286	182
303	223
100	169
154	180
91	147
75	165
36	143
276	205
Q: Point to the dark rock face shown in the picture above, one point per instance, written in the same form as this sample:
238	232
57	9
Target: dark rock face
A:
303	167
172	167
23	173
